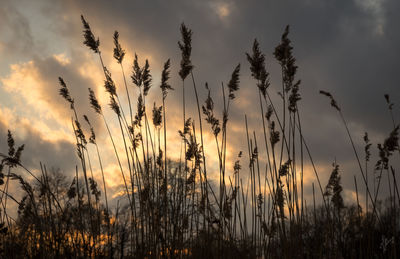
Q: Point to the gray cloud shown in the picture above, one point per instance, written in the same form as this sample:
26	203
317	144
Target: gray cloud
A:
39	150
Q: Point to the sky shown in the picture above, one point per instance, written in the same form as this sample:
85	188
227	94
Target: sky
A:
347	47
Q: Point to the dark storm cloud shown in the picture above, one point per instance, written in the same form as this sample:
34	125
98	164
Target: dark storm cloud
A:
335	43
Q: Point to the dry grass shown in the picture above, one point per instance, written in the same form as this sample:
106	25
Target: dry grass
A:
171	208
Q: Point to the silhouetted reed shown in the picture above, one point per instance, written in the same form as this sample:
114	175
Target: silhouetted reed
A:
254	208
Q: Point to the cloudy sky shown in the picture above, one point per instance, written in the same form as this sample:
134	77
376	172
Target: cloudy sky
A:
348	47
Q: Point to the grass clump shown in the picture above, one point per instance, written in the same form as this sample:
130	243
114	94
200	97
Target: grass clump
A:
173	209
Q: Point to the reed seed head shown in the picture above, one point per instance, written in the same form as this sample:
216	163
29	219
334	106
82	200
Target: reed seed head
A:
79	132
90	39
157	115
146	78
392	142
294	97
136	72
94	102
209	113
274	135
389	103
269	112
164	79
333	101
233	84
367	147
186	49
64	92
258	69
140	111
386	149
114	106
92	138
283	53
284	170
14	156
119	53
109	83
334	188
11	143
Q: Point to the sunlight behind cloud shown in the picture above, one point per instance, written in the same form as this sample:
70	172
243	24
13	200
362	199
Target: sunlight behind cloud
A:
222	9
27	88
62	59
24	81
376	9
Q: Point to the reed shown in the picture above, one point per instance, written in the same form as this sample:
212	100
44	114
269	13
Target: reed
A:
176	209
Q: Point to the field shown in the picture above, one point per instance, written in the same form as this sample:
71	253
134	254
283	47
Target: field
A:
253	206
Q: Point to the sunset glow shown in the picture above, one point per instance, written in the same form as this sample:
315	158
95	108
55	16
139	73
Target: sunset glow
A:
180	125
